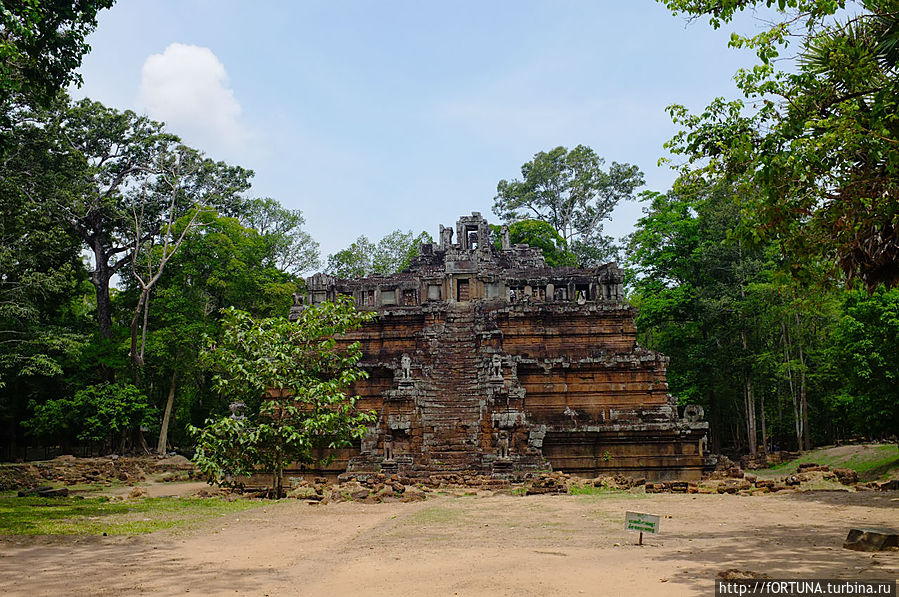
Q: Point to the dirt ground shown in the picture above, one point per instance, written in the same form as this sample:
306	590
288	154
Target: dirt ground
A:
468	546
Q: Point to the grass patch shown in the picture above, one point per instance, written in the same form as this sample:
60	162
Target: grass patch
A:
96	516
872	461
435	515
603	492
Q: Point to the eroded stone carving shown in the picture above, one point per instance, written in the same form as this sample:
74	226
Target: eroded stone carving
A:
506	238
693	413
502	445
496	367
405	367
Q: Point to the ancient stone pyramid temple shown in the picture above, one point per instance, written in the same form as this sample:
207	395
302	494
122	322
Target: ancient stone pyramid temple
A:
486	361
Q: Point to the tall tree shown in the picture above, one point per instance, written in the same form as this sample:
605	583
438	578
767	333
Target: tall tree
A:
220	264
745	338
114	185
816	148
698	293
570	191
293	250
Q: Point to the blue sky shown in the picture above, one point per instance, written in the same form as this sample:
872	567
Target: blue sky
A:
372	116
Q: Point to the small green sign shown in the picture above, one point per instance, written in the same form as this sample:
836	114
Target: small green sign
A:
644	523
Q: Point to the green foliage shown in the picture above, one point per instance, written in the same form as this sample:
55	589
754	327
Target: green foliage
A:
741	335
352	262
118	182
97	413
41	45
391	254
292	377
40	273
867	352
541	235
815	152
290	248
570	191
395	252
221	263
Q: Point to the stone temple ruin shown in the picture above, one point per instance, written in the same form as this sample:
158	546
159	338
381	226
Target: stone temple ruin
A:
486	361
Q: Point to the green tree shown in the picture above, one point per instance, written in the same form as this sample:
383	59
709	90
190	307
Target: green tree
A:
541	235
41	285
570	191
221	264
41	44
867	353
746	341
395	251
118	181
352	262
391	254
99	414
816	149
293	250
292	377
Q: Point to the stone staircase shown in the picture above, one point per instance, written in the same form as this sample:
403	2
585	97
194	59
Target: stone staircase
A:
451	413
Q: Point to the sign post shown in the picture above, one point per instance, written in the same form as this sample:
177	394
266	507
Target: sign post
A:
637	521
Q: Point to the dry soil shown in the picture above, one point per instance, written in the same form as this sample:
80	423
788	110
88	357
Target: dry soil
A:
467	546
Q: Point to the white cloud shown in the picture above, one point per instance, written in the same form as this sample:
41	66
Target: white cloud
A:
187	87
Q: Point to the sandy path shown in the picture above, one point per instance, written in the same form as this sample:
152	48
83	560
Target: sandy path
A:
500	545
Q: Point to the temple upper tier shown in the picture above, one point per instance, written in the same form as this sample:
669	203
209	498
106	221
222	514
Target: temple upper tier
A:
472	269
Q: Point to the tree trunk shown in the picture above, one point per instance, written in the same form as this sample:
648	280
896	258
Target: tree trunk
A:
143	336
748	393
751	429
803	401
164	430
797	420
764	424
135	355
100	279
751	426
714	427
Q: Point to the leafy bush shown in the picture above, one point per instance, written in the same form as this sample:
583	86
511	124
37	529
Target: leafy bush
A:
99	413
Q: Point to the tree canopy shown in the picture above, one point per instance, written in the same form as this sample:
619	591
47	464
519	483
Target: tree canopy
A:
41	45
814	148
570	191
539	234
391	254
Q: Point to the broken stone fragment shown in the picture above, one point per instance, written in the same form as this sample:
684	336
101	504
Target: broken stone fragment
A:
846	476
872	539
